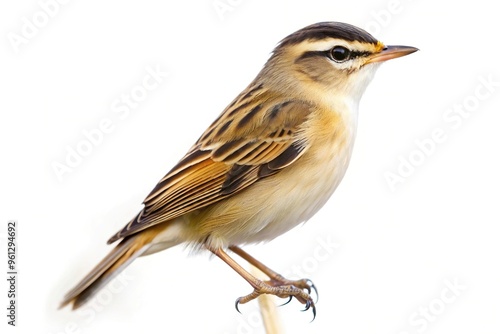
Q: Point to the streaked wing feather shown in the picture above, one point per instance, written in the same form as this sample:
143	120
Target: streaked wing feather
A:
236	151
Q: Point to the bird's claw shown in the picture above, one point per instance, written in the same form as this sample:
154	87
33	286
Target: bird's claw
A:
236	304
310	305
289	300
312	287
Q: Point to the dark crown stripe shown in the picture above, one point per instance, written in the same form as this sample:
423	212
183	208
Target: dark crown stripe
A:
328	30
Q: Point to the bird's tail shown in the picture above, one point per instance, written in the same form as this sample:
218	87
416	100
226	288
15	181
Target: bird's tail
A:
118	259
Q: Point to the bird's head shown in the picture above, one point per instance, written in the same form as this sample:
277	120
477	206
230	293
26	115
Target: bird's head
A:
329	59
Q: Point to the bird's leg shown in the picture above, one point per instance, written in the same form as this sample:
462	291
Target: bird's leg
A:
274	287
276	279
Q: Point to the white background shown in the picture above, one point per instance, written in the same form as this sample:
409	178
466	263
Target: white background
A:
395	249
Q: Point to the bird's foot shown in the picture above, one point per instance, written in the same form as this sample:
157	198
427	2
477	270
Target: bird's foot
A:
283	288
304	284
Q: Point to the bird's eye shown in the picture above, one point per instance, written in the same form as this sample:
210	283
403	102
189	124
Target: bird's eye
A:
340	54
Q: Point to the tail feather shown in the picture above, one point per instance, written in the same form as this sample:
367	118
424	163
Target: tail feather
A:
118	259
146	242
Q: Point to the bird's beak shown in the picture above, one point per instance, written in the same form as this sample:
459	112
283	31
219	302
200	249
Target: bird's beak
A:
390	52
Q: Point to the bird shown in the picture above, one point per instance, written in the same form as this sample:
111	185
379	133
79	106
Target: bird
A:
268	162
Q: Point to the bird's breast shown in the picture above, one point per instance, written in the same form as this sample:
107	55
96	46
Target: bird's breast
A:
296	193
323	167
275	204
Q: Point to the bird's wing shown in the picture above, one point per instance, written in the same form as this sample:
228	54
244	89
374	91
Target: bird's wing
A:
252	139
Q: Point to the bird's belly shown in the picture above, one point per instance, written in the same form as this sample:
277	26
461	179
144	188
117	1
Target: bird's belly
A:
278	203
301	195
